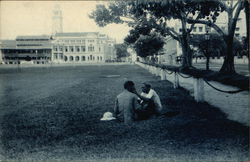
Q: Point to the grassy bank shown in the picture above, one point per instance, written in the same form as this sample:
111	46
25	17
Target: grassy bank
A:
64	124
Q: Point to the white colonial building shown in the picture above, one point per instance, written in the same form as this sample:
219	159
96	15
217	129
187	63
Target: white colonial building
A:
82	47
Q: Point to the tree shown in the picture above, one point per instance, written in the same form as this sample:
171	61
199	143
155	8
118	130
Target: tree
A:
232	9
148	45
121	50
162	12
207	47
181	10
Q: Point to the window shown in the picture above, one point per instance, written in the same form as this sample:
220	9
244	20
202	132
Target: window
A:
77	49
200	29
93	57
180	30
99	49
83	48
60	48
195	28
83	58
90	57
98	58
66	49
237	29
72	41
91	48
65	58
91	41
55	48
237	34
55	56
101	58
71	48
61	56
71	58
77	58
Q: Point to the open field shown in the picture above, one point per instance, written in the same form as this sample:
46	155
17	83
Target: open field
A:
52	114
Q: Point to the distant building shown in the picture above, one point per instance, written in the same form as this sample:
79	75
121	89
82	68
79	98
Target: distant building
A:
32	49
169	51
240	30
82	47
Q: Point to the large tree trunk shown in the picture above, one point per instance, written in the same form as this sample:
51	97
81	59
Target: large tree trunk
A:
207	63
187	56
228	64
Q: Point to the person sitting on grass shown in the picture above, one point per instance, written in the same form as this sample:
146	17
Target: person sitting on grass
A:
126	104
150	101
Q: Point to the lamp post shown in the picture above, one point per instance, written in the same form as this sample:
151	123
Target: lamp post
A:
207	38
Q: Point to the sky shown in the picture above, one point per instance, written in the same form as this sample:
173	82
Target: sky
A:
35	18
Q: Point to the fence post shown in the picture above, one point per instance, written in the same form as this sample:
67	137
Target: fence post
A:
199	89
176	80
163	76
155	70
158	71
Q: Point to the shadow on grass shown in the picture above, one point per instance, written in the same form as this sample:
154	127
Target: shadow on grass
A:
186	123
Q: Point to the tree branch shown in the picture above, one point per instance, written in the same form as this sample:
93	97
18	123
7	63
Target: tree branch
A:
236	5
236	15
192	26
173	33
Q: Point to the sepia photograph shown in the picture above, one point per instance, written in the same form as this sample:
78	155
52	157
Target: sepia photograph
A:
124	81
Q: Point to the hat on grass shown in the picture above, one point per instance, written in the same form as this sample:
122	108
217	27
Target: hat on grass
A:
107	116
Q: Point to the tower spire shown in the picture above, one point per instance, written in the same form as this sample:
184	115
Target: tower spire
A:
57	20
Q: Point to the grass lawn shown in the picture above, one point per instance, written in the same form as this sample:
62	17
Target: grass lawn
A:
52	114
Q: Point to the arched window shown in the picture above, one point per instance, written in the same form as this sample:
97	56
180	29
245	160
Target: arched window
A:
90	57
83	58
71	58
77	58
101	58
65	58
98	58
91	48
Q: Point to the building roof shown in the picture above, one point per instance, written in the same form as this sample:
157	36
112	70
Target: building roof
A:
75	34
8	44
33	37
13	44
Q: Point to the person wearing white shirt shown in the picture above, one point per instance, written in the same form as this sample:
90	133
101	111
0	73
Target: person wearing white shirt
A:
150	100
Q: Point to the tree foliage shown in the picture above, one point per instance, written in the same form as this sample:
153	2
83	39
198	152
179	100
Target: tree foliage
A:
121	50
185	11
149	45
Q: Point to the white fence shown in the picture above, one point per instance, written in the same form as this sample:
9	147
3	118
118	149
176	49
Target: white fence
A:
243	60
235	105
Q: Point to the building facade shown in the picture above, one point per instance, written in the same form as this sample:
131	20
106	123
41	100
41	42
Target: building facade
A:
85	47
26	49
240	30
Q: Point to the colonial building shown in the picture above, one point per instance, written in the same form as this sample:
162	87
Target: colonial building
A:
26	49
85	47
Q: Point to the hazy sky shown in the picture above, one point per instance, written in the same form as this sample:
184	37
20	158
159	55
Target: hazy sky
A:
35	18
